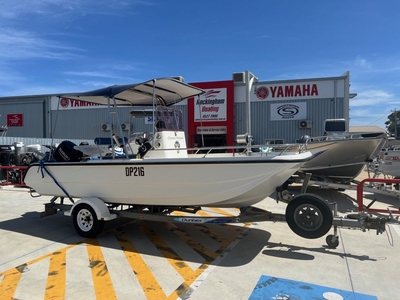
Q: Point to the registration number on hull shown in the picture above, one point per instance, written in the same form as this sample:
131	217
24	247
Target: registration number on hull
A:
134	171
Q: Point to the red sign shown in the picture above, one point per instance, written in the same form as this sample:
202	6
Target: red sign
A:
14	120
212	112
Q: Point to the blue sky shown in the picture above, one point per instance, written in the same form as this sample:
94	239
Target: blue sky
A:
54	46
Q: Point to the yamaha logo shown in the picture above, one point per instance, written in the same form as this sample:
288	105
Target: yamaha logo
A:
262	92
64	102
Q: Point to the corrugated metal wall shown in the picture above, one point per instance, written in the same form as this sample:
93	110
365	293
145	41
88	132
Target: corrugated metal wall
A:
40	141
264	129
86	123
33	112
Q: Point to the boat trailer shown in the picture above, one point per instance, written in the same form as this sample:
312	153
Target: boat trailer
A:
308	215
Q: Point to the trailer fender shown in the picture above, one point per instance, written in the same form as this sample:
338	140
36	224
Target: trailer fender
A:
100	208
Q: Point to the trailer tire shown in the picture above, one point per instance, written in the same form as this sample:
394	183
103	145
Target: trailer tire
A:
332	241
309	216
86	222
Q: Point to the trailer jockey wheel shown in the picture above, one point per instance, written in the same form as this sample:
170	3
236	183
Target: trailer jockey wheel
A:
85	221
332	241
309	216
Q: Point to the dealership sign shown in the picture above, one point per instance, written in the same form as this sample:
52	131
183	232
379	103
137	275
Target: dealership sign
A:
211	130
287	91
14	120
66	104
318	89
211	106
288	111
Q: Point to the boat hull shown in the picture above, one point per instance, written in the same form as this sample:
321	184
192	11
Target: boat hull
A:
219	182
340	160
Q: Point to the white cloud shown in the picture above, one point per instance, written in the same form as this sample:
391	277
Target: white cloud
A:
371	107
16	44
362	62
371	98
55	8
98	74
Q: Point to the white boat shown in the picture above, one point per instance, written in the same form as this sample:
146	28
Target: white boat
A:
164	172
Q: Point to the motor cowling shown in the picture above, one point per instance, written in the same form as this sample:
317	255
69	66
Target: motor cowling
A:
65	152
304	139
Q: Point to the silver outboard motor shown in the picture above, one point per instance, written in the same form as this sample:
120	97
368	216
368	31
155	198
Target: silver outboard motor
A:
304	139
19	152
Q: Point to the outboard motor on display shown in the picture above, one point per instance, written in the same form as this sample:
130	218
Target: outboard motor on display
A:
65	152
304	139
6	157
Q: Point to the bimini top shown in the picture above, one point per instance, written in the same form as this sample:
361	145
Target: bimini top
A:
167	91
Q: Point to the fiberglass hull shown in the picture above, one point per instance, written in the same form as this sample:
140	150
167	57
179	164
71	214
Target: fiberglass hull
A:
219	182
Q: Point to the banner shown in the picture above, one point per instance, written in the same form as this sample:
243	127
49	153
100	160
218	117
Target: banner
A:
211	106
288	111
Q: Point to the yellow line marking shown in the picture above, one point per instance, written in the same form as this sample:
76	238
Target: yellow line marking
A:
145	277
11	277
172	257
202	213
208	260
192	243
222	212
10	281
56	280
178	213
101	277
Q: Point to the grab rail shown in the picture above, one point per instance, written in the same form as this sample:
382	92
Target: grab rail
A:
281	148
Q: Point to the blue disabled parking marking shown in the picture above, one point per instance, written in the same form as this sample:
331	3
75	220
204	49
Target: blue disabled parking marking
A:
282	289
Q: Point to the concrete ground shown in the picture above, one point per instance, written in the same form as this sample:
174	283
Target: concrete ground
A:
44	258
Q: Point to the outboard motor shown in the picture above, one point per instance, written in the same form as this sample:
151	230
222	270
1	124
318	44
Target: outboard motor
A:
144	146
65	152
6	157
20	152
304	139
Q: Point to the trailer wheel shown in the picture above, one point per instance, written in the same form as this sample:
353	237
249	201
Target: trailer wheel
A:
309	216
86	222
332	241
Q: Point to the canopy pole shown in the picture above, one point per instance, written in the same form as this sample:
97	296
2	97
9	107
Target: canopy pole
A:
111	126
120	130
250	78
154	108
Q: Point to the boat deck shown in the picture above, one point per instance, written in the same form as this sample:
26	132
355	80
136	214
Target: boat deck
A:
44	258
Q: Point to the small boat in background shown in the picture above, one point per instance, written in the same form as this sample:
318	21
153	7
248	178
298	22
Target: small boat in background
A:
340	156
